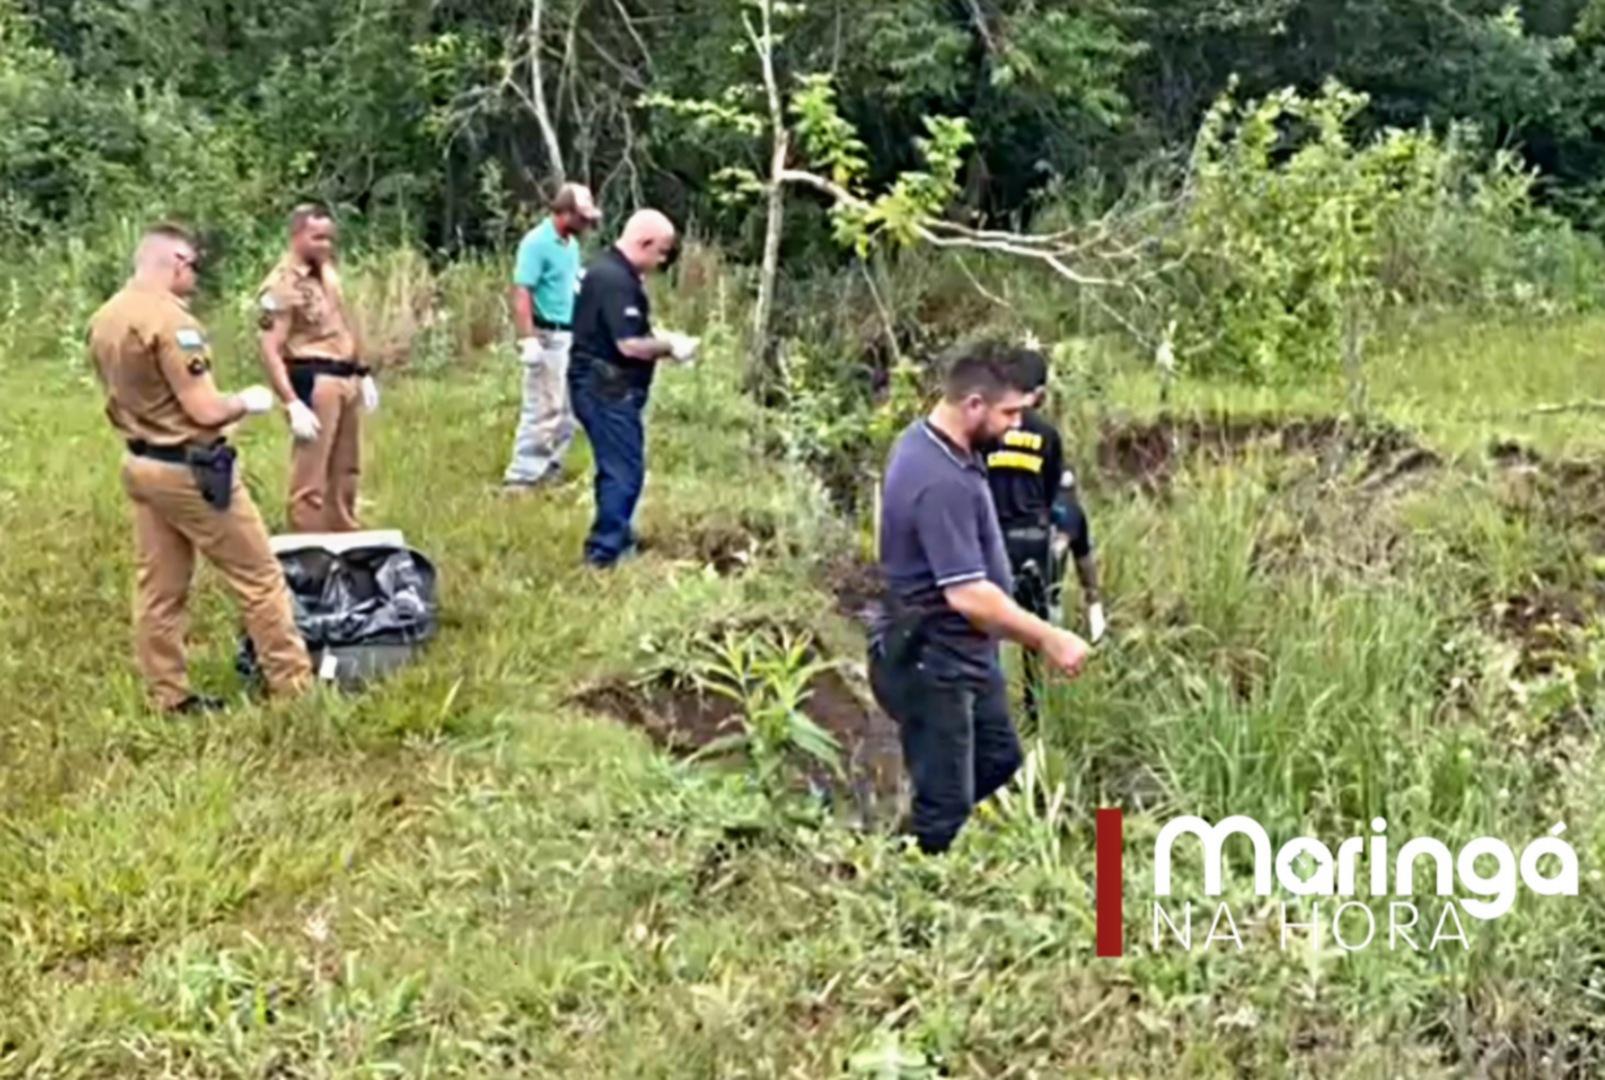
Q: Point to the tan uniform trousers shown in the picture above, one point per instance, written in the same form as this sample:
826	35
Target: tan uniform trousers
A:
324	472
171	523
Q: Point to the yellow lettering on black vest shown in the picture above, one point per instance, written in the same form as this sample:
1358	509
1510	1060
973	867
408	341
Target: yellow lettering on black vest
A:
1013	459
1026	440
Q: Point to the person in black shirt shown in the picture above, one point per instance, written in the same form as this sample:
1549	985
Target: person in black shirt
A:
614	356
1041	517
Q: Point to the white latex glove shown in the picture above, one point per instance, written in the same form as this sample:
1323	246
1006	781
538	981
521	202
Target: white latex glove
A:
255	400
370	394
683	347
303	424
529	350
1061	547
1095	623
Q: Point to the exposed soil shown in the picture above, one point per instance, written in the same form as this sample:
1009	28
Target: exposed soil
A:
856	585
1512	454
1516	1046
1539	623
1149	453
1567	491
684	720
1530	615
730	548
1566	496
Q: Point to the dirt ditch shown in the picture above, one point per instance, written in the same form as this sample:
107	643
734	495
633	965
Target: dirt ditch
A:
1566	492
856	585
683	720
1564	496
1149	453
730	548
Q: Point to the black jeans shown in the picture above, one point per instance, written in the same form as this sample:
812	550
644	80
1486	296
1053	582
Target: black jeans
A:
958	743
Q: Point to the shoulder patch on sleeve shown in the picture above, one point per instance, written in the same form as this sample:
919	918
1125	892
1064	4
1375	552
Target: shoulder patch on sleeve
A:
632	312
270	303
190	339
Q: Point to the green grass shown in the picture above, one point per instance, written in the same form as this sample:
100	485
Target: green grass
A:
1461	384
462	874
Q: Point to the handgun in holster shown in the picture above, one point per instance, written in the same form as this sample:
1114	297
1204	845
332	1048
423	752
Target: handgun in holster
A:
1034	585
904	635
213	469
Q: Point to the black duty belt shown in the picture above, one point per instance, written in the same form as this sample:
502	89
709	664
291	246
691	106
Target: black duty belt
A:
211	465
172	455
548	324
318	365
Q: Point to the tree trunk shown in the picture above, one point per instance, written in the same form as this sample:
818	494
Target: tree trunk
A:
543	116
770	268
762	352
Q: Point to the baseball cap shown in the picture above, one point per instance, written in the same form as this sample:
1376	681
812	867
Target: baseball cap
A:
576	198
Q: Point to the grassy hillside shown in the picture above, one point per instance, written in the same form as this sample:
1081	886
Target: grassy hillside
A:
466	872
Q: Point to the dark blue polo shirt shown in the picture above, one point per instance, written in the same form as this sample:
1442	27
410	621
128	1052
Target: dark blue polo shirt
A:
939	529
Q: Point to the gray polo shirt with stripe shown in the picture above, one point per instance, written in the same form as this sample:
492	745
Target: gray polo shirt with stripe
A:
938	529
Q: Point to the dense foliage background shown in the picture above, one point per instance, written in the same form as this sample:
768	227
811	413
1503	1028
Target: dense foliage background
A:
398	110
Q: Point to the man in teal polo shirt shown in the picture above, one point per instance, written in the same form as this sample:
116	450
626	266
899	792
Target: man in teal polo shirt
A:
545	279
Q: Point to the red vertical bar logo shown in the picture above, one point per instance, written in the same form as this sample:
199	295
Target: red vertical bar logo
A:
1110	883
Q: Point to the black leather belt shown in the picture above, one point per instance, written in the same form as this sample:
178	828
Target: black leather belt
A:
318	365
547	324
172	455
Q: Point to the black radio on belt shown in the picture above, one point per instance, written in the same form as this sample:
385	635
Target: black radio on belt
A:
212	466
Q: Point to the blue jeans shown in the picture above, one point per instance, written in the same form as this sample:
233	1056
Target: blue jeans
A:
958	742
611	415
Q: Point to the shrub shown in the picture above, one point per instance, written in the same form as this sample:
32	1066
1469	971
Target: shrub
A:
1297	235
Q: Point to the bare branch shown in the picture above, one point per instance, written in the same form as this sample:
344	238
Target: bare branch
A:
885	313
780	144
835	191
978	17
945	235
538	93
982	289
566	72
629	26
1587	405
628	74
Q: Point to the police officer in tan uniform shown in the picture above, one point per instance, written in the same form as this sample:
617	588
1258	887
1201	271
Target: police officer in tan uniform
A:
311	355
154	361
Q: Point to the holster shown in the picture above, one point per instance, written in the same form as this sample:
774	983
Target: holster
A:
1036	572
904	635
302	380
610	381
213	469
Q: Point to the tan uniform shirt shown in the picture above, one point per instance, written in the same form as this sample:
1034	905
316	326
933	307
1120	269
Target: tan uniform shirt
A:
318	325
145	344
